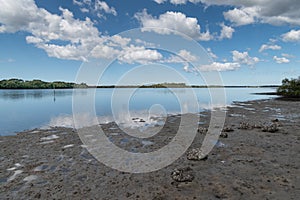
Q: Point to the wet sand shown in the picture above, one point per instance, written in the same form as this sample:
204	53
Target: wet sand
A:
250	161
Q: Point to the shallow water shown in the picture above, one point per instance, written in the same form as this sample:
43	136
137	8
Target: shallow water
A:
29	109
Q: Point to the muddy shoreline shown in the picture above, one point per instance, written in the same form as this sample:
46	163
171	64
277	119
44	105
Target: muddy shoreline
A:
248	162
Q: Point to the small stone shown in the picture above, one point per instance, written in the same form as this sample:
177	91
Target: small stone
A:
224	135
182	175
202	130
245	125
196	154
227	129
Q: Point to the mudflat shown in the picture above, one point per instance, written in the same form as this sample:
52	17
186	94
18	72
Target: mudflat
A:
256	157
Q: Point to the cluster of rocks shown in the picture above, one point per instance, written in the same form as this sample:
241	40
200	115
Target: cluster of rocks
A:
270	127
185	174
223	134
245	126
182	174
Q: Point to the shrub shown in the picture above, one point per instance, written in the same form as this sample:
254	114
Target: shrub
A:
290	88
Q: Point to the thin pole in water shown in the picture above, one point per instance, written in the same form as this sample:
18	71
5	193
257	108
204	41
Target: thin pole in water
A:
54	93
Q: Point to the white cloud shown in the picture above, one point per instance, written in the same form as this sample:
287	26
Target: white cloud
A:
183	56
96	7
267	46
287	55
275	12
80	38
240	17
77	2
186	68
33	40
188	56
291	36
84	10
217	66
102	6
170	21
244	58
159	1
226	32
104	51
281	60
176	2
211	54
134	54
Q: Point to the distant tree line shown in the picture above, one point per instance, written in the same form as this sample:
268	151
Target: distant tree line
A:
38	84
290	88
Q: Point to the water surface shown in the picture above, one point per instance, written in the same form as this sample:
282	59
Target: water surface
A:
29	109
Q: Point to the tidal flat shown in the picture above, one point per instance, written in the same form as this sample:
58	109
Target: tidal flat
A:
256	157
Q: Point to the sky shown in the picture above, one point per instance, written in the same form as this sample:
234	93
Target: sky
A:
246	42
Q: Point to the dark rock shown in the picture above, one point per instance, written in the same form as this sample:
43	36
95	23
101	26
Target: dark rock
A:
224	135
182	174
202	130
227	129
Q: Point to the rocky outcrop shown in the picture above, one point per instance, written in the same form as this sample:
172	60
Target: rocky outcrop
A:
196	154
182	175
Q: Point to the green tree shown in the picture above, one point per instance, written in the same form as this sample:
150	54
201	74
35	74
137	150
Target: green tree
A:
290	88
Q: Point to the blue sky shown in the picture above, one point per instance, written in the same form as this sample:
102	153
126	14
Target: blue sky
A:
249	42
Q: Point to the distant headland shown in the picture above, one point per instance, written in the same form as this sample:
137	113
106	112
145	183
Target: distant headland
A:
39	84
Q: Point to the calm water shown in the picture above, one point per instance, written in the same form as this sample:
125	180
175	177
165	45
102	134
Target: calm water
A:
28	109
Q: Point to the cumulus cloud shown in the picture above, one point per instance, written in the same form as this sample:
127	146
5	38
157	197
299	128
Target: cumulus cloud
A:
177	2
291	36
275	12
238	59
95	6
183	56
170	21
188	56
186	68
211	54
267	46
217	66
244	58
80	38
226	32
46	27
281	60
102	6
141	55
242	16
159	1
